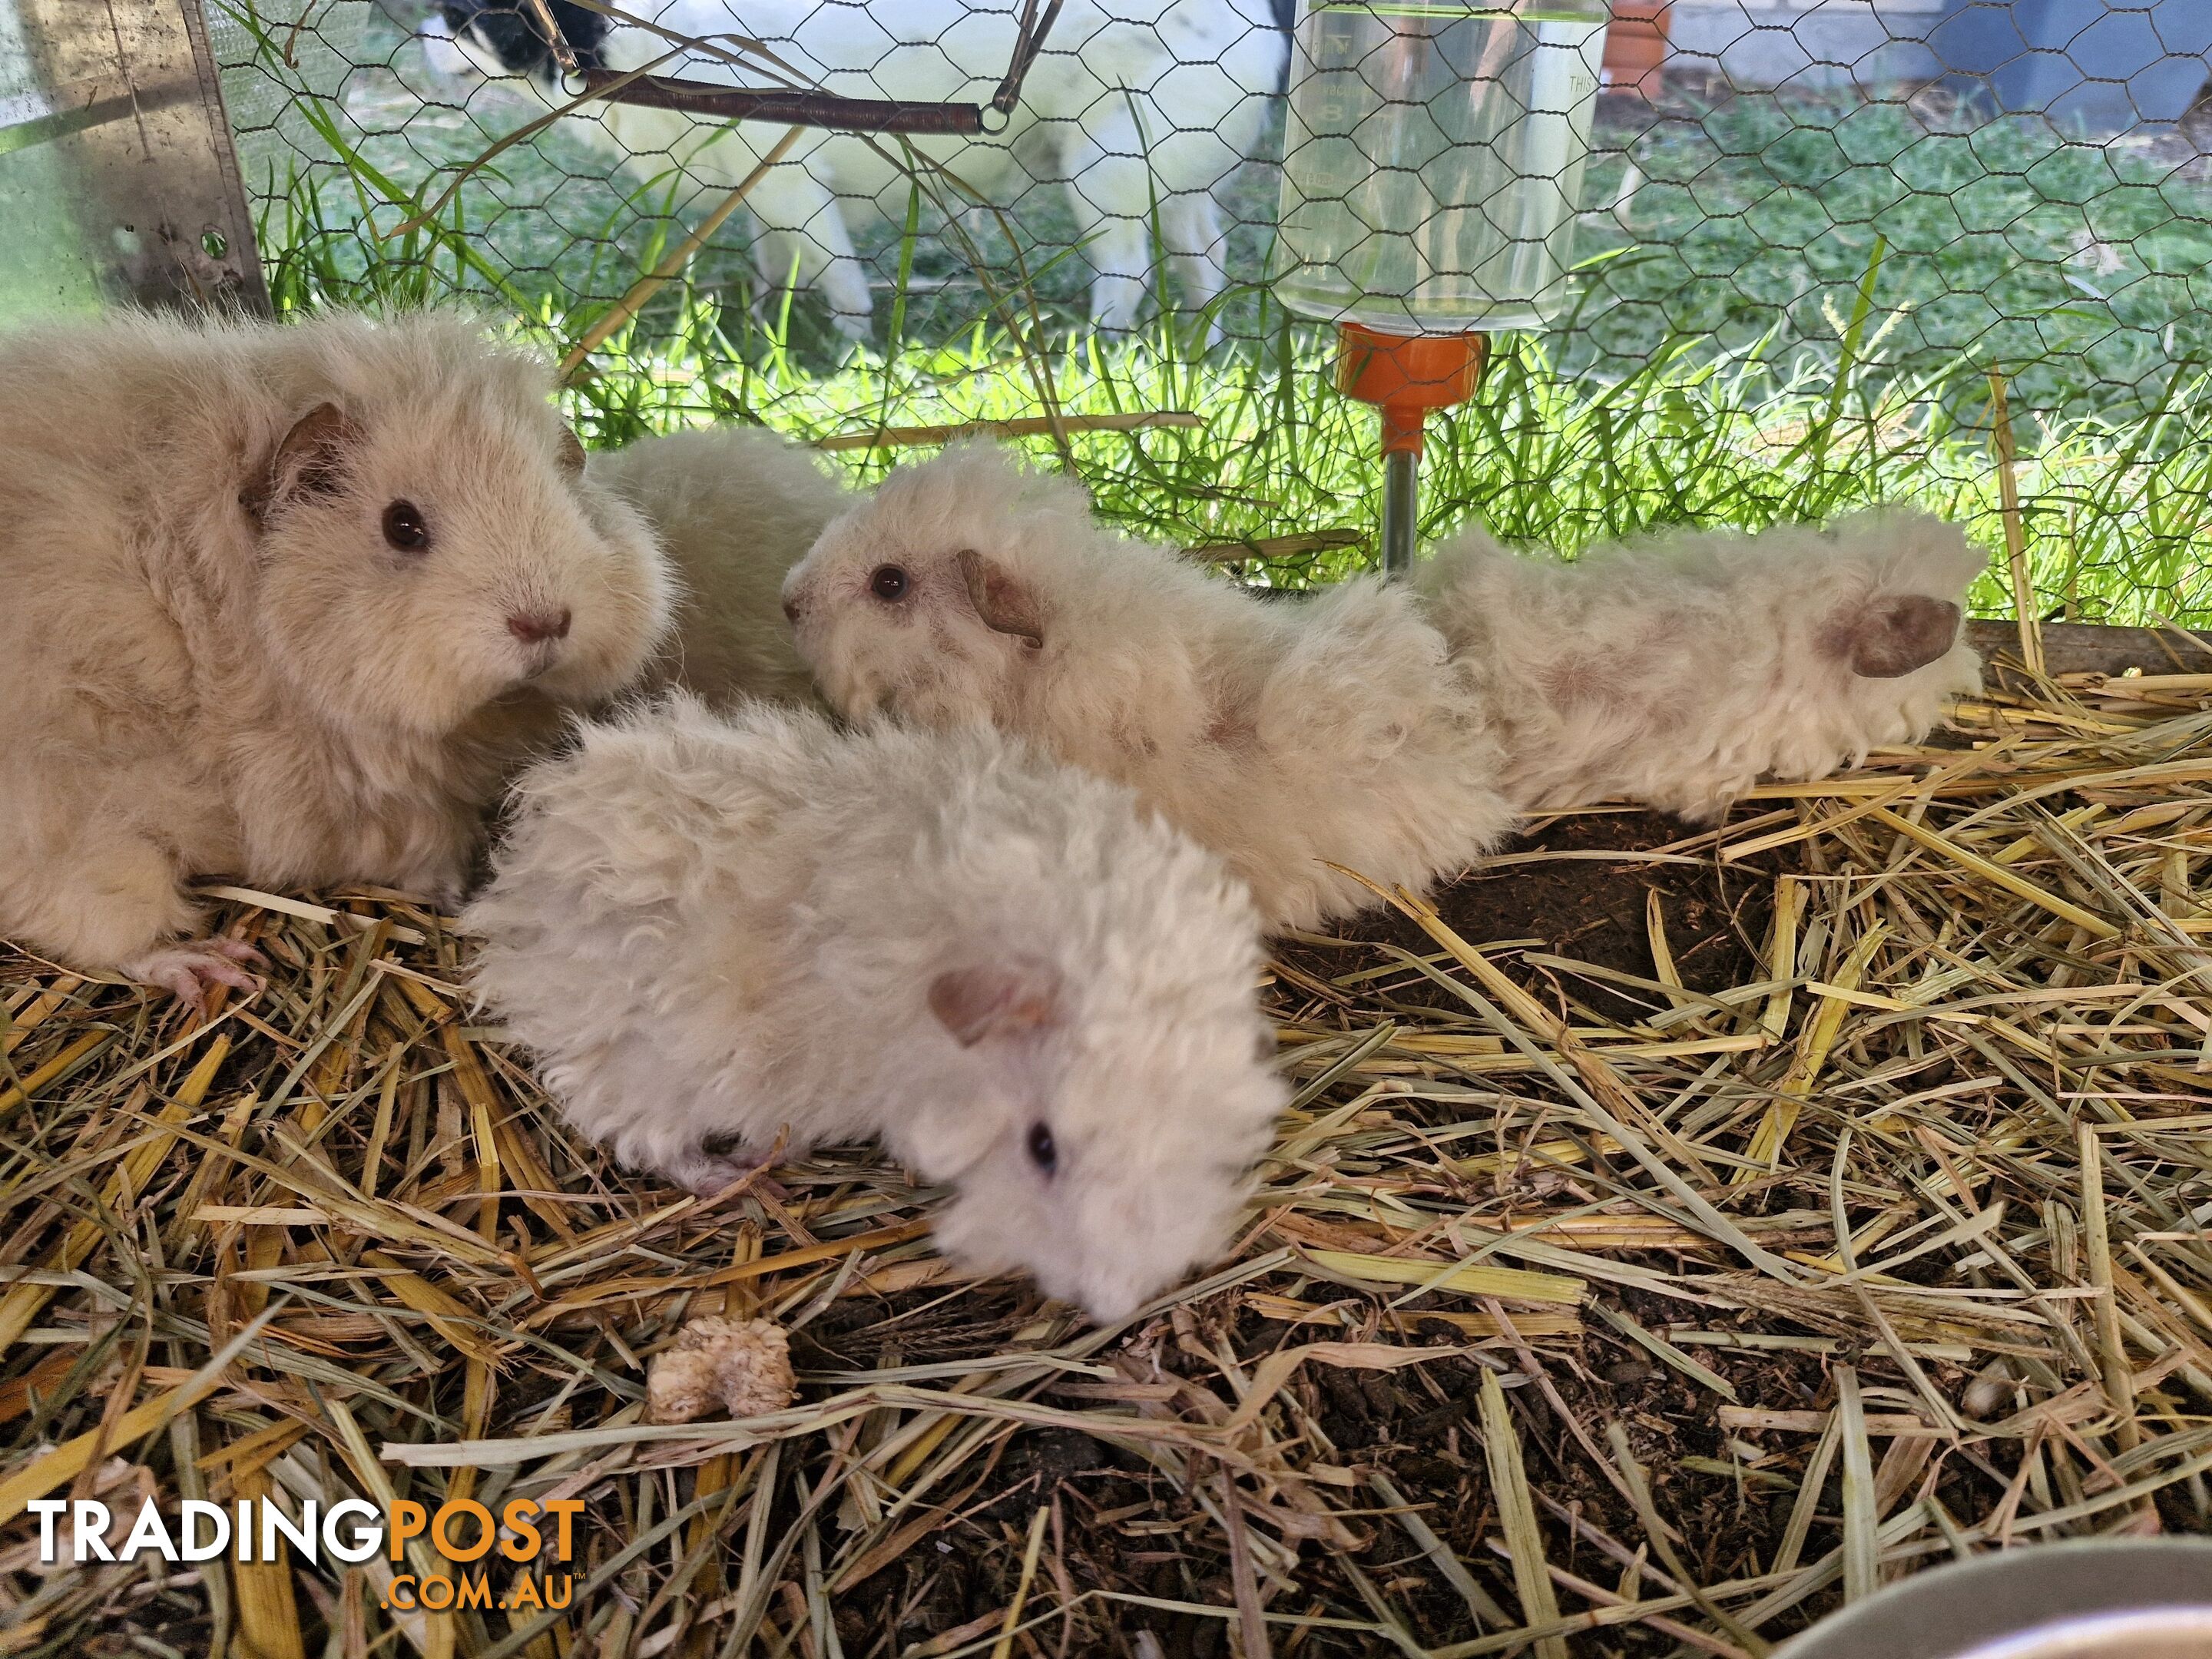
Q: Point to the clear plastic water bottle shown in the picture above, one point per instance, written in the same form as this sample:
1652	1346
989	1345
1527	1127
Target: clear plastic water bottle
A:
1434	159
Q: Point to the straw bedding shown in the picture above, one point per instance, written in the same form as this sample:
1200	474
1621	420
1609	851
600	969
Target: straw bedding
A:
1675	1234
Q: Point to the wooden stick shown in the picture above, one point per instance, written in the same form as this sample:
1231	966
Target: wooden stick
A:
2023	593
563	53
2118	1377
1275	547
1032	426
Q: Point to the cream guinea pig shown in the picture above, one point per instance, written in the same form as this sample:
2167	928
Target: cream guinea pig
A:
1286	737
735	507
715	930
286	604
1678	669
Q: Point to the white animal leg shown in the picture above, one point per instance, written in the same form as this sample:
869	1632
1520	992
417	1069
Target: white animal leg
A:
1130	179
1190	223
1110	188
804	237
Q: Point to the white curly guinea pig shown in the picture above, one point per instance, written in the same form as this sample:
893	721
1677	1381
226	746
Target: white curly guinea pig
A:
1286	737
735	507
285	604
715	931
1680	668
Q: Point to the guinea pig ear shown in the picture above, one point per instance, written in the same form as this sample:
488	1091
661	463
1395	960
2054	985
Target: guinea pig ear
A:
1896	636
572	452
1005	605
996	999
309	462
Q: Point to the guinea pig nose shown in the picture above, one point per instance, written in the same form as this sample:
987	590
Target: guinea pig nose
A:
790	608
533	627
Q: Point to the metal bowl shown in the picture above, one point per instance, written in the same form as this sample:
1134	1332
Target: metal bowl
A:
2100	1599
2160	1634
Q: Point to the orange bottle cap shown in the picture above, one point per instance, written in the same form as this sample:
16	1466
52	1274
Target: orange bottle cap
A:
1408	375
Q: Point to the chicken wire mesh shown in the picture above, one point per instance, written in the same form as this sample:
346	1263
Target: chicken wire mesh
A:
1945	250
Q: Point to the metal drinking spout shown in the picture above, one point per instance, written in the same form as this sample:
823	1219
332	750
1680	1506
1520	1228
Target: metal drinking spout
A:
1406	376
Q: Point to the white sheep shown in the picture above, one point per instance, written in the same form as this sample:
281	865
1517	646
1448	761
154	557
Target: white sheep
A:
735	507
1138	109
1288	738
722	934
283	604
1679	670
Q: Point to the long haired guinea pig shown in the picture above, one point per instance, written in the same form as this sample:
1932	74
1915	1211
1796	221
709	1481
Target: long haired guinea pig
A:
735	508
1287	738
282	603
1679	669
715	931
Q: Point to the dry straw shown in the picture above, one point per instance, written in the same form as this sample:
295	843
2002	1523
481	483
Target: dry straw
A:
1583	1309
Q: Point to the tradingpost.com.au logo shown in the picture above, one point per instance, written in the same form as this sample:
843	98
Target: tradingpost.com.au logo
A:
352	1530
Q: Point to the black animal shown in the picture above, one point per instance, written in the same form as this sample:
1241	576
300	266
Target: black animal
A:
510	31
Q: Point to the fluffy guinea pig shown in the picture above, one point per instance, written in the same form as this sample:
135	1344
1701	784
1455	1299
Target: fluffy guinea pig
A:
735	508
1286	737
286	604
712	932
1679	669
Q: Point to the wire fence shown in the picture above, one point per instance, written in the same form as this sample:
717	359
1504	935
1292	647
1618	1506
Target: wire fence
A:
1818	250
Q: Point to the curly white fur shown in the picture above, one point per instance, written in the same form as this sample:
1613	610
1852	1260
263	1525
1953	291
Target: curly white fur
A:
1286	737
742	1365
712	932
1679	670
214	657
735	507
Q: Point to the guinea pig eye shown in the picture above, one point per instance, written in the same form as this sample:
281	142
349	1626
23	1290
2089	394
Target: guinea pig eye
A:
888	584
1042	1153
404	528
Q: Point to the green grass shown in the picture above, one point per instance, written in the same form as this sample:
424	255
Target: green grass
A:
2078	266
1801	327
2115	513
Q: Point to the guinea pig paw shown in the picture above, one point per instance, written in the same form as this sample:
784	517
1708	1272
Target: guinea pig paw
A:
190	972
709	1174
1893	635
